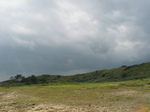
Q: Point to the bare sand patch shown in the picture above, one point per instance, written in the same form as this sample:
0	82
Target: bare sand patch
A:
11	95
7	100
125	92
1	93
64	108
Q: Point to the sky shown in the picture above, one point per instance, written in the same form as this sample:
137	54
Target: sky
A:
68	37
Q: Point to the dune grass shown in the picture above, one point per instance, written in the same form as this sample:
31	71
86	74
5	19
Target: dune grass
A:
89	97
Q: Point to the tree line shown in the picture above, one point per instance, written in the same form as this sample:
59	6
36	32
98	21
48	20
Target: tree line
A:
42	79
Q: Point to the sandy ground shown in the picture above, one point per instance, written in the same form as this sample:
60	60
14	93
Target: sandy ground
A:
7	105
64	108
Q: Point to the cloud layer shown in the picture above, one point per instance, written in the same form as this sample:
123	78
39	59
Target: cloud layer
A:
72	36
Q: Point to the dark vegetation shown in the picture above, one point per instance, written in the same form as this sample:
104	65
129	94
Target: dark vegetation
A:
122	73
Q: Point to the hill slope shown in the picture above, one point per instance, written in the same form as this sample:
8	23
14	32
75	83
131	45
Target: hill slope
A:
118	74
123	73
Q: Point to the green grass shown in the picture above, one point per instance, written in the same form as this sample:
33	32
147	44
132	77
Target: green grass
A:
89	96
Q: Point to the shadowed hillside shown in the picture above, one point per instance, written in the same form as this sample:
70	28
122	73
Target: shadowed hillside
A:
140	71
123	73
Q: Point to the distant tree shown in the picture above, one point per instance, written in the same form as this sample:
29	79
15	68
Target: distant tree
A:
124	75
96	72
123	66
31	79
45	79
17	78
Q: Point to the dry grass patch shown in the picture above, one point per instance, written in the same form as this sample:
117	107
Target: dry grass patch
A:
100	97
65	108
127	92
141	108
11	95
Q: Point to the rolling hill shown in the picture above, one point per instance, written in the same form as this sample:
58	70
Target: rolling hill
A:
140	71
123	73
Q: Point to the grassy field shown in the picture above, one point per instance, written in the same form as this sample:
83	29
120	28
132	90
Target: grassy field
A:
127	96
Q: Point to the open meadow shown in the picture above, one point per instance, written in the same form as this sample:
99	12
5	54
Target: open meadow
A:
125	96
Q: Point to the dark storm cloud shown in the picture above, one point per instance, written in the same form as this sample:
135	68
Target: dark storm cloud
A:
72	36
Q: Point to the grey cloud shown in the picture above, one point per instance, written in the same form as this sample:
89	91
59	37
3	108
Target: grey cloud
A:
69	37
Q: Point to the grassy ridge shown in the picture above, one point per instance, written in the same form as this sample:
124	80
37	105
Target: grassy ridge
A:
141	71
123	73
